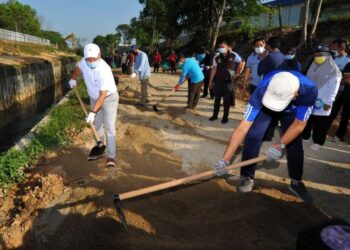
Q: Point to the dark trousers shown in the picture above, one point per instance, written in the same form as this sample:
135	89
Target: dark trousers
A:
254	138
233	98
222	90
318	125
173	67
156	67
206	88
251	89
124	68
342	101
194	92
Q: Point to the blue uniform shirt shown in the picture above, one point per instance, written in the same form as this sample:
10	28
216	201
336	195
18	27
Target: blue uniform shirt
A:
301	106
191	69
252	63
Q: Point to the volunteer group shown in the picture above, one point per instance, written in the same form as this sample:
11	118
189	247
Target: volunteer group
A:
302	104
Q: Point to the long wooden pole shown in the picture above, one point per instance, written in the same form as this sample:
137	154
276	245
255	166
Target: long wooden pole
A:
184	180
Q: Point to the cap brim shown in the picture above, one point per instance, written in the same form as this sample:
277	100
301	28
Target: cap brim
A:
274	104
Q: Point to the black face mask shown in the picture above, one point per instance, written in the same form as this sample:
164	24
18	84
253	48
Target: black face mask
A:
135	53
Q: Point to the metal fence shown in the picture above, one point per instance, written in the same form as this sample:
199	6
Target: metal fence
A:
24	38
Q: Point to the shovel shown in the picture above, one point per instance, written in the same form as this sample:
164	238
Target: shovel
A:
161	100
98	151
117	198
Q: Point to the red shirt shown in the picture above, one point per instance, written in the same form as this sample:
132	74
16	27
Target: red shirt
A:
157	58
173	57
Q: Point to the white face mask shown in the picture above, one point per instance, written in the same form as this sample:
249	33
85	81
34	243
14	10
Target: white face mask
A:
335	53
259	50
222	50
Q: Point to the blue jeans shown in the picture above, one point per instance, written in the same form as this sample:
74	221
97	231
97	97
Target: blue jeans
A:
105	119
254	138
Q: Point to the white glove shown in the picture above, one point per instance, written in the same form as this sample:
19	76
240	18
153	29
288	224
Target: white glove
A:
90	118
219	167
72	83
275	152
133	75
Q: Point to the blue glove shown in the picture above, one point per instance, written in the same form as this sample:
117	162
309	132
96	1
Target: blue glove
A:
275	152
219	167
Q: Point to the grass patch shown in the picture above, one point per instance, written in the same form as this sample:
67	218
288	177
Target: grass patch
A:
65	122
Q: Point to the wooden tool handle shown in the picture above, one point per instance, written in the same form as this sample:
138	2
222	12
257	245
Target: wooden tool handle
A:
170	93
184	180
86	114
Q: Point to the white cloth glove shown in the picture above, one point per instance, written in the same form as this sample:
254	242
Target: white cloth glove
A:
72	83
133	75
219	167
275	152
90	118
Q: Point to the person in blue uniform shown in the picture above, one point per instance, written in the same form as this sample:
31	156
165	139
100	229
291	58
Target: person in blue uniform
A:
288	96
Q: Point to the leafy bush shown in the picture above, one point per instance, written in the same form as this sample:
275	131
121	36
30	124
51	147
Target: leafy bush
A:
247	31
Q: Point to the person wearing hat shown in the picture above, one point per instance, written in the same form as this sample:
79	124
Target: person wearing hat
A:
325	74
288	96
142	69
191	71
99	80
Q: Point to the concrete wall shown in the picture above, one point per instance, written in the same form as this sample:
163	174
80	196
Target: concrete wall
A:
17	83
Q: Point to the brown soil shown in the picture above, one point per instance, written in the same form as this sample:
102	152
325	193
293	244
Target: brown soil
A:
17	53
66	203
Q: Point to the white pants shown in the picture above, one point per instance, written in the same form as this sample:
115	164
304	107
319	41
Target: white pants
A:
105	119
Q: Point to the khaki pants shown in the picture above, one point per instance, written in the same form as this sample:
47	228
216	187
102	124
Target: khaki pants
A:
144	90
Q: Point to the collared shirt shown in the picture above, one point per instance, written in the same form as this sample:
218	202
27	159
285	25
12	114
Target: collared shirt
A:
342	61
252	63
142	67
99	79
302	106
191	69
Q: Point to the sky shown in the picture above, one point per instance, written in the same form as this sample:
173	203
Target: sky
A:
86	18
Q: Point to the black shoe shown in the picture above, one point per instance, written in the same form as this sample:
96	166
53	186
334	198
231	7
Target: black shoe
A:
224	120
300	191
204	96
213	118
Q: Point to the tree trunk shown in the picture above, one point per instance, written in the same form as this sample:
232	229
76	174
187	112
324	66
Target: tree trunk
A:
220	15
306	19
316	18
280	15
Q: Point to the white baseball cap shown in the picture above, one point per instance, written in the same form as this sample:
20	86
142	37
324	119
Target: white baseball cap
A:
280	91
91	50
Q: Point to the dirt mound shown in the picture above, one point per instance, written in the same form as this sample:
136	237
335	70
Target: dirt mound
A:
67	203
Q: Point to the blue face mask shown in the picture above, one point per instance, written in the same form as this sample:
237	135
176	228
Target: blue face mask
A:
93	65
289	57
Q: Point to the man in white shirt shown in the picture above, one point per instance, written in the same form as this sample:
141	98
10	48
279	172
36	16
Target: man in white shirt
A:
103	95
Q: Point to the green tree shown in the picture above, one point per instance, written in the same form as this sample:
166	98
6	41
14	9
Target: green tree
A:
107	43
55	38
125	32
19	17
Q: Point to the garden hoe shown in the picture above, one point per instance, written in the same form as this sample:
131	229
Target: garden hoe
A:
117	198
161	100
98	151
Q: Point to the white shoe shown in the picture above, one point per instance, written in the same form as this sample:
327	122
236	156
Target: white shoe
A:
315	146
